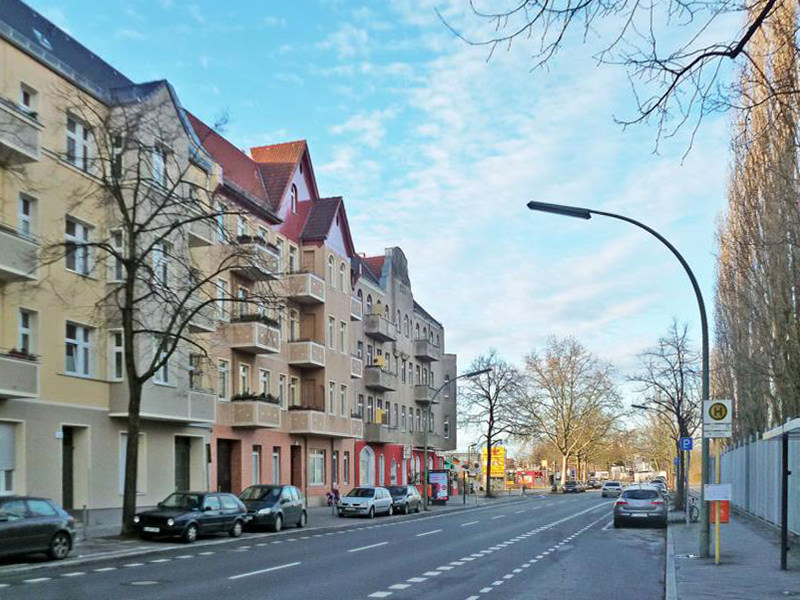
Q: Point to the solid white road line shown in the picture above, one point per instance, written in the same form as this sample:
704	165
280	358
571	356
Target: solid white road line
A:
470	523
428	532
609	524
367	547
286	566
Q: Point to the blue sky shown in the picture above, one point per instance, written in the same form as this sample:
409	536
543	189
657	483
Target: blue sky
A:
437	151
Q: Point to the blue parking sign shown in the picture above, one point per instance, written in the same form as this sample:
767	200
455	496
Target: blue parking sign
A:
675	461
686	443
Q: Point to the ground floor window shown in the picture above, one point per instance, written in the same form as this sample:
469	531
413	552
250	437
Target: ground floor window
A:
7	457
393	475
346	468
366	466
316	467
256	465
276	465
334	467
382	472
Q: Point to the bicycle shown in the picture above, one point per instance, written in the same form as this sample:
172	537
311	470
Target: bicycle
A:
694	511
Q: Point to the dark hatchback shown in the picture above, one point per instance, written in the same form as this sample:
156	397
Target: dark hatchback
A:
571	487
405	498
189	514
274	506
29	525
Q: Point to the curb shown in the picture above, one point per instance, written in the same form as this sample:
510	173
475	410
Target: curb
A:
671	583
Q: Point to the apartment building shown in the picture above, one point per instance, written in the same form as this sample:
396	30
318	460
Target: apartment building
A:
404	396
63	395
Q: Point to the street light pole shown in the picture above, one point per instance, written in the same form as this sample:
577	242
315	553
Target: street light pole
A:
427	426
586	213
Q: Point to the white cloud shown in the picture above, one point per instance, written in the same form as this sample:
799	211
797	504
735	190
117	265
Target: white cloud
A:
273	21
130	34
348	41
367	128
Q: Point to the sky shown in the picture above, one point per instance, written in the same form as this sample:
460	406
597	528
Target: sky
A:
437	150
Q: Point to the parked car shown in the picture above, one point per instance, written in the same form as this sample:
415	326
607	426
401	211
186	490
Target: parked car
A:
29	525
640	503
189	514
405	498
611	488
593	484
662	487
274	506
570	487
366	500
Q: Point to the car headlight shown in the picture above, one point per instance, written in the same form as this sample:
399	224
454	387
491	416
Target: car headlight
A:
170	522
136	519
264	511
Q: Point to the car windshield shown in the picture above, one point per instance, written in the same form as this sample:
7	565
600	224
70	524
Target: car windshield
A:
640	494
256	492
397	490
187	501
362	493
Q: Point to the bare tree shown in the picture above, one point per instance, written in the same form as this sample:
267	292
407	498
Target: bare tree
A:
669	382
486	402
570	400
162	245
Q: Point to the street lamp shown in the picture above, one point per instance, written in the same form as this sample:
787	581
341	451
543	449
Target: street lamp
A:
586	213
427	425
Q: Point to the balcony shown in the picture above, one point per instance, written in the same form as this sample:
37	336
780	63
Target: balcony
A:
202	231
256	260
204	320
19	135
167	403
255	414
356	368
356	309
19	376
306	354
305	288
18	260
423	393
254	335
427	351
376	378
383	434
379	328
307	421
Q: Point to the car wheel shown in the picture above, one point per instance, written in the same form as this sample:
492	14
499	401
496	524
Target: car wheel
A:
302	521
341	513
391	510
405	508
371	513
236	530
278	525
617	523
418	507
59	546
190	533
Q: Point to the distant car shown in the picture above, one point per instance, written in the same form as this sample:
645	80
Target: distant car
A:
662	487
570	487
640	503
611	488
660	478
29	525
274	506
593	484
366	500
405	498
189	514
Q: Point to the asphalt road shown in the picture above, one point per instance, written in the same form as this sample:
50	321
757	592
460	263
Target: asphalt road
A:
551	547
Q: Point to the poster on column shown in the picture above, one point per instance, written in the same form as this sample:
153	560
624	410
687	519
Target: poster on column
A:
440	490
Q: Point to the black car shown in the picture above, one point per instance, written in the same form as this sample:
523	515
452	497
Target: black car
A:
405	498
29	525
274	506
189	514
571	487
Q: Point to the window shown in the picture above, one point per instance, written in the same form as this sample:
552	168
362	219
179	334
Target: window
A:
293	259
220	220
411	420
162	373
331	332
244	379
419	378
276	465
294	325
28	98
78	255
405	325
293	198
78	136
334	467
370	410
223	372
360	407
41	508
382	470
78	350
419	421
369	304
388	419
160	165
117	147
343	400
330	271
256	465
117	356
222	296
282	390
27	331
264	381
161	257
430	421
241	226
369	354
316	467
116	241
346	468
8	447
446	427
447	386
403	372
332	397
360	349
294	391
425	375
342	277
26	215
403	418
196	362
396	412
398	322
416	332
343	337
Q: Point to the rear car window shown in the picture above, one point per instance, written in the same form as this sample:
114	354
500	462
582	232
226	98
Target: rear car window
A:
640	494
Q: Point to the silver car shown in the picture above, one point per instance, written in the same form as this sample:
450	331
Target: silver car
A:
367	501
640	503
611	488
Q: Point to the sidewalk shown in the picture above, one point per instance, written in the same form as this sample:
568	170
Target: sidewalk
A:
749	563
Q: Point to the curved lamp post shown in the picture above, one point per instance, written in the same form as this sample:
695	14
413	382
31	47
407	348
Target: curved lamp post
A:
586	213
427	425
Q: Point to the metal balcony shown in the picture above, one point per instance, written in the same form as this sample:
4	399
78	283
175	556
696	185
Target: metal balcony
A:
427	351
306	354
257	261
18	256
305	288
379	328
376	378
19	135
19	376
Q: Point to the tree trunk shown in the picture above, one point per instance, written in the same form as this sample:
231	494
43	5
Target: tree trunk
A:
489	492
564	458
131	459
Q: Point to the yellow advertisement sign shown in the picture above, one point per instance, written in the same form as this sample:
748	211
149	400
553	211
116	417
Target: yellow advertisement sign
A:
498	461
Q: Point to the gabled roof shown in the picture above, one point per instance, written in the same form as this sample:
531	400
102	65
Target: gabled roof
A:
366	272
320	218
277	163
375	264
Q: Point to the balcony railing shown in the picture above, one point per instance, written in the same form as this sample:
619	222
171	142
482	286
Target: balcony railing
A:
305	288
255	413
18	256
379	328
426	350
258	260
356	309
356	367
423	393
376	378
254	335
306	354
19	375
19	135
165	403
315	422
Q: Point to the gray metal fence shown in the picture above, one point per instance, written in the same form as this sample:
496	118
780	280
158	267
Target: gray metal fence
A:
754	471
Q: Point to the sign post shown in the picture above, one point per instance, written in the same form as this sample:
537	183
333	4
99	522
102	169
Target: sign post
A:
717	424
686	444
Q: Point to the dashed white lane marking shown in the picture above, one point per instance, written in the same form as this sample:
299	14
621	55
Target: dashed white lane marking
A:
380	594
417	579
399	586
509	576
131	565
444	568
5	585
184	556
498	517
456	563
473	598
209	553
104	569
517	571
609	524
432	573
36	580
519	512
498	582
428	532
470	523
160	560
367	547
75	574
286	566
467	558
486	590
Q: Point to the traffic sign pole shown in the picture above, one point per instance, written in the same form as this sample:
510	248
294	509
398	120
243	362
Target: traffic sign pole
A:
686	505
718	469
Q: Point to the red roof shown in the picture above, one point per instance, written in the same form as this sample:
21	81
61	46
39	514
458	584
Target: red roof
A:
320	218
375	264
277	163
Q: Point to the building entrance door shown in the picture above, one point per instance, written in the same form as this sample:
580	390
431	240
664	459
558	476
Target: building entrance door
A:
297	467
183	465
67	469
224	467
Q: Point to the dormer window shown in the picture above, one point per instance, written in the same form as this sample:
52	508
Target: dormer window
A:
293	198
